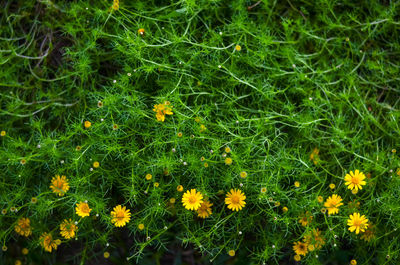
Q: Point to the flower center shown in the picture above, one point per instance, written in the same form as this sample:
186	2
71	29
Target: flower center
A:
235	199
192	199
120	215
357	222
355	181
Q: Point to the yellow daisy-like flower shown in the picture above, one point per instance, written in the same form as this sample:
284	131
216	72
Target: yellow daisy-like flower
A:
305	218
3	133
87	124
369	234
120	216
59	185
314	239
332	186
314	156
141	226
148	176
25	251
353	262
96	164
235	199
355	180
82	209
179	188
300	248
238	48
203	128
68	229
141	31
297	257
285	209
106	254
297	184
115	5
192	200
23	227
320	199
228	161
332	204
232	253
204	210
357	222
48	243
162	109
243	174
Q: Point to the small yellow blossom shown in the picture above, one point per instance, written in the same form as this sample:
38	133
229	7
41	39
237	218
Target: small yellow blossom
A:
204	210
333	203
235	199
106	254
357	223
141	31
332	186
68	229
3	133
179	188
48	243
25	251
355	180
149	176
192	199
23	227
297	184
238	48
82	209
162	109
228	161
88	124
59	185
243	174
141	226
300	248
96	164
120	216
231	253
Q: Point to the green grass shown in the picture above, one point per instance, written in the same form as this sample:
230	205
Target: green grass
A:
310	74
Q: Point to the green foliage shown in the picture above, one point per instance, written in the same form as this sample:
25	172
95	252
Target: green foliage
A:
310	74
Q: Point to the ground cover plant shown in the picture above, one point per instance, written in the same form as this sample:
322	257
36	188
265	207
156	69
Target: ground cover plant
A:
199	132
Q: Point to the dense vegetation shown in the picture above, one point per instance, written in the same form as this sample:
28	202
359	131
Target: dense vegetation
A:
275	112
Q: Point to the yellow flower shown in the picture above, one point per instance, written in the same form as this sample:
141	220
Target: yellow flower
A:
33	200
48	243
23	161
227	149
203	128
59	185
162	109
179	188
96	164
78	148
115	127
314	239
204	210
149	177
357	223
332	204
88	124
115	5
243	174
106	254
228	161
4	248
263	190
23	227
231	253
3	133
172	200
205	164
238	48
314	156
297	257
156	184
320	199
68	229
141	226
353	262
17	262
285	209
369	233
4	211
300	248
297	184
305	218
120	216
25	251
192	200
332	186
235	200
82	209
355	180
141	31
